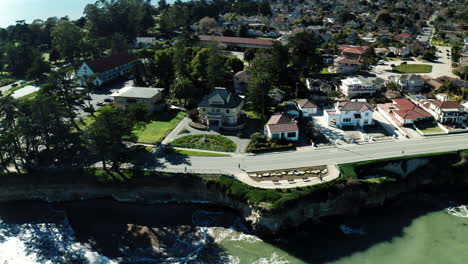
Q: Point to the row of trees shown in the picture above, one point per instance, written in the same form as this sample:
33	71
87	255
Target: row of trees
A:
281	67
189	72
45	132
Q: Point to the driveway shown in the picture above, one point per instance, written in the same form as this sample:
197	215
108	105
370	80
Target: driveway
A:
25	91
241	143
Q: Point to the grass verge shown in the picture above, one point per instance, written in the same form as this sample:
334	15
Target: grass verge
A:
195	153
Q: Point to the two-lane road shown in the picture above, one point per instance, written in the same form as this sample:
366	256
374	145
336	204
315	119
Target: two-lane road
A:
326	156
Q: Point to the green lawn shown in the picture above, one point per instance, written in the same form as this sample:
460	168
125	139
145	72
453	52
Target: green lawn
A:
157	130
325	71
393	58
413	68
434	129
195	153
87	121
28	97
213	142
253	114
440	43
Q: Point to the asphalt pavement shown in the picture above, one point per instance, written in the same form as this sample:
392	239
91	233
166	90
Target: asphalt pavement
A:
322	156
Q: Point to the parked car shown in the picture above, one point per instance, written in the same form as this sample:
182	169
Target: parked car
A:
108	100
101	103
403	63
87	97
22	82
392	65
14	84
381	62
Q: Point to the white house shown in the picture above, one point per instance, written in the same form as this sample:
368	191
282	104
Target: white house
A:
307	107
350	113
361	86
409	82
445	112
280	126
127	96
106	69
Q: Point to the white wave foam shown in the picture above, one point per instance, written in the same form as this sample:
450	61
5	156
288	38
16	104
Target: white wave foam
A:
274	259
460	211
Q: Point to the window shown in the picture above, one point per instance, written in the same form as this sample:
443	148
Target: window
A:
275	136
291	134
366	114
346	120
227	111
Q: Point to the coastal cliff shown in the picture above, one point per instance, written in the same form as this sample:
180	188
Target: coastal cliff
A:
377	183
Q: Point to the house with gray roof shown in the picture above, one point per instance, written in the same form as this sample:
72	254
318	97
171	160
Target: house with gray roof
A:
355	113
221	109
125	97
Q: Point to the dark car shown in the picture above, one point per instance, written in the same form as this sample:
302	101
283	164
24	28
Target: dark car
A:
392	65
108	100
403	63
87	97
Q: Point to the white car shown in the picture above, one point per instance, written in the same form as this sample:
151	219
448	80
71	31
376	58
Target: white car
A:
381	62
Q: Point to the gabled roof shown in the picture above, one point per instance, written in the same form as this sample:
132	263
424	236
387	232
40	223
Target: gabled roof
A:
229	100
234	40
346	60
447	104
353	49
404	35
281	123
106	63
304	103
354	106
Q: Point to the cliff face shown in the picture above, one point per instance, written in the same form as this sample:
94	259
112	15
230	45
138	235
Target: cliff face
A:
411	175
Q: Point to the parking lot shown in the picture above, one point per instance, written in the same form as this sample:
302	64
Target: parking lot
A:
102	93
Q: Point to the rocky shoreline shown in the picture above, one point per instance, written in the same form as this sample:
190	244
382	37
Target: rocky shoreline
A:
415	174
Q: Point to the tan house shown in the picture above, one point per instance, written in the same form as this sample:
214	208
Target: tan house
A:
221	109
127	96
345	65
241	82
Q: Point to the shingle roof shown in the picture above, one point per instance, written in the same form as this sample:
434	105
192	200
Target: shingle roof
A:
354	106
346	60
234	40
304	103
230	100
281	123
106	63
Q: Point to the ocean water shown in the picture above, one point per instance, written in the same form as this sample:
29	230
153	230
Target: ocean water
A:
106	232
13	10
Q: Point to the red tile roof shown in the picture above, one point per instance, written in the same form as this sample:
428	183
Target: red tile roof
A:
106	63
281	123
404	35
447	104
407	110
234	40
353	49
